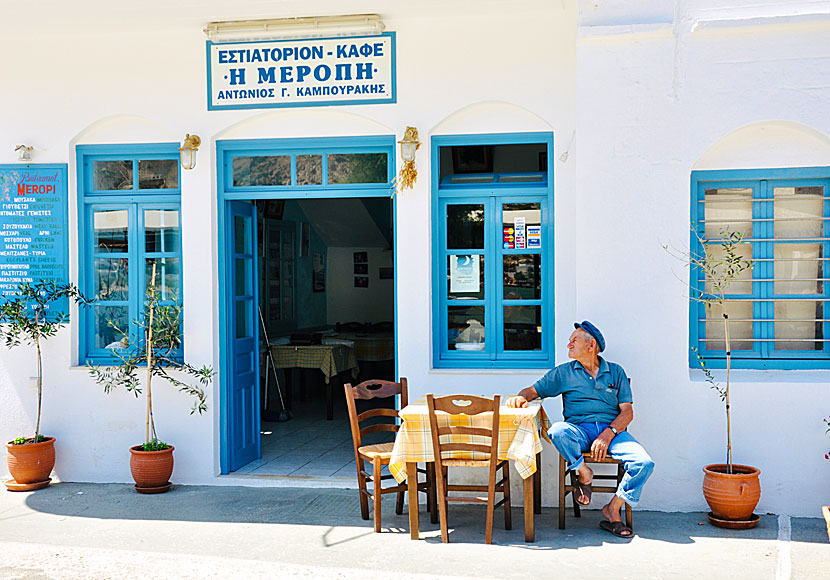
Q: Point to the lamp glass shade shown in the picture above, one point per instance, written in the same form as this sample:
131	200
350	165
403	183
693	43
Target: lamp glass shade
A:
407	151
188	156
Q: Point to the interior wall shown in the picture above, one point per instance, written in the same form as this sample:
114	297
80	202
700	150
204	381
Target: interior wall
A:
311	306
347	303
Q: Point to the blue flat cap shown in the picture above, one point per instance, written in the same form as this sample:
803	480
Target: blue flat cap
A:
593	331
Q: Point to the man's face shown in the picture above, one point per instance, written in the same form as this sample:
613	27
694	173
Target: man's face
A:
579	344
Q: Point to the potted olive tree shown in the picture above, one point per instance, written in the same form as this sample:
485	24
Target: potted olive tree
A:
26	318
151	463
731	490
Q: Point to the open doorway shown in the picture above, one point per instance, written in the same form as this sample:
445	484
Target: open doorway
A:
326	317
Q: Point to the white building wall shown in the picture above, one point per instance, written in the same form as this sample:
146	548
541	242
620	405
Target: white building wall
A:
635	100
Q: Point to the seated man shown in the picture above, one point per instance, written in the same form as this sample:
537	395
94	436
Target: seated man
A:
597	405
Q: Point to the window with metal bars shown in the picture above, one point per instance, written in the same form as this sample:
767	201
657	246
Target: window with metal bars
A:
778	309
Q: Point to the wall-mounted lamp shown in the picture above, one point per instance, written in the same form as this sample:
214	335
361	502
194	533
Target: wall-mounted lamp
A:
301	27
188	150
409	145
25	152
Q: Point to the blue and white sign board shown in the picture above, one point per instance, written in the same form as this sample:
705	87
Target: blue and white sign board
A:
356	70
33	221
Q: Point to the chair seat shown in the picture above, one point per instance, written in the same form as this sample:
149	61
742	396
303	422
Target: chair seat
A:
382	450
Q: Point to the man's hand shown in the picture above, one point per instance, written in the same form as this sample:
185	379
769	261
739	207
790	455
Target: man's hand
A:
516	402
599	448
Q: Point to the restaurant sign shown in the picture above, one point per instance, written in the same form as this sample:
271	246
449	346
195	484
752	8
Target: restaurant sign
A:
33	221
357	70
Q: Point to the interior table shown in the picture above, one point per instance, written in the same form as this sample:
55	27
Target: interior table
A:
520	440
330	359
371	347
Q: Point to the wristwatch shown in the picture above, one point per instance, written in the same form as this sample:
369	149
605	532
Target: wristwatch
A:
614	431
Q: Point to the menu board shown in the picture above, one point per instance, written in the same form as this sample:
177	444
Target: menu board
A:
33	222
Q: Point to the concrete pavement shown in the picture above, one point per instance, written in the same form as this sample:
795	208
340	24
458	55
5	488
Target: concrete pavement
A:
107	531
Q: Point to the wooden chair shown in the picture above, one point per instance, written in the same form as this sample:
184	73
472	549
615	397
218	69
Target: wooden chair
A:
565	489
473	454
379	454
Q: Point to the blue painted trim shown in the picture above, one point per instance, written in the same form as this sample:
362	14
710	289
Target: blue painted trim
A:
134	201
391	100
493	196
763	182
226	194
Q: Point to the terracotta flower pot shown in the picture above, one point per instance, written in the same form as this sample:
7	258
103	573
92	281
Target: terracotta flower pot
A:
30	464
732	496
151	469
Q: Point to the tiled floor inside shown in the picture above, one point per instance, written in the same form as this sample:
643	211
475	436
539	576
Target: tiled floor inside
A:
308	444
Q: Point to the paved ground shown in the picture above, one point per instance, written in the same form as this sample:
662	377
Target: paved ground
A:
95	531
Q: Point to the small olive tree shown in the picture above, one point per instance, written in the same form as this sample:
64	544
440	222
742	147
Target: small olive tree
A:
720	264
160	327
25	319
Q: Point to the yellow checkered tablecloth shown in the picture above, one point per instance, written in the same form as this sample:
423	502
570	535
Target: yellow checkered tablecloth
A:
519	438
331	359
371	347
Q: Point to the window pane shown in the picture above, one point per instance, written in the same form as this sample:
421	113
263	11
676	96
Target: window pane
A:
798	268
240	231
728	208
466	328
798	325
465	227
522	328
111	175
158	174
111	326
741	283
472	179
168	277
110	233
740	326
358	168
465	277
533	178
309	169
112	277
262	170
522	277
161	230
522	225
241	266
242	308
798	214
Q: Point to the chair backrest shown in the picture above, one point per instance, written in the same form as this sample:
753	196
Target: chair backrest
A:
350	327
374	389
458	442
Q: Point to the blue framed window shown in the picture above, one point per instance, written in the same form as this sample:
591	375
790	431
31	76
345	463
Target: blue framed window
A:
129	200
492	251
778	310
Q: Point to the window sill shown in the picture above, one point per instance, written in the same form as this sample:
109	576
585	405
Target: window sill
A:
764	376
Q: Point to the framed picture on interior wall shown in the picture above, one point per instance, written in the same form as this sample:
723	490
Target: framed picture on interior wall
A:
318	276
386	273
274	208
472	159
361	281
361	268
305	235
361	257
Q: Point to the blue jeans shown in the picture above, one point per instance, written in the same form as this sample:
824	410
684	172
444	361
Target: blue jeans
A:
573	440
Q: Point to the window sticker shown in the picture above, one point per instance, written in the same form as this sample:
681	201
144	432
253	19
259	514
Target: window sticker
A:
534	236
464	274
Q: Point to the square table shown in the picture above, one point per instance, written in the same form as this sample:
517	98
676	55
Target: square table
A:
519	441
331	359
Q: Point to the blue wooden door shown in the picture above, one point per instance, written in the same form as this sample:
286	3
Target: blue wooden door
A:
244	412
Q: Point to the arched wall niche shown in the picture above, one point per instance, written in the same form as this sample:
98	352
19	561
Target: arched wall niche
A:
767	144
491	117
125	129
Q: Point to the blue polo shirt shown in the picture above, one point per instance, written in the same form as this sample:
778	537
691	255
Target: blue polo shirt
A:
585	399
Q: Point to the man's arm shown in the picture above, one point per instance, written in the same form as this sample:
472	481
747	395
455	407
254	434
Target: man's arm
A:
599	448
524	396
